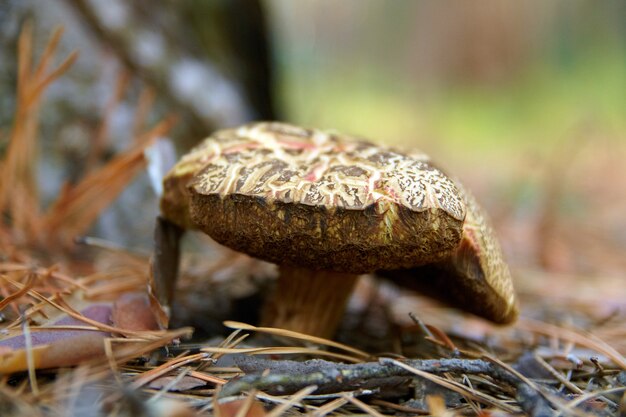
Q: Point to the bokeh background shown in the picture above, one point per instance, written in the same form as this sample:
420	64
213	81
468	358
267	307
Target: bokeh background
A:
525	102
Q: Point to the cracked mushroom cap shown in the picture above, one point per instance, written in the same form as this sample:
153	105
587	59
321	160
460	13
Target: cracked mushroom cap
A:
319	200
328	202
474	277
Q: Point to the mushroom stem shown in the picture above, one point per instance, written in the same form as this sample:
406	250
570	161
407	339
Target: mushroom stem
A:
309	301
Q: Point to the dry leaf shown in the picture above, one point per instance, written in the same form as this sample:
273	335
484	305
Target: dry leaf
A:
57	347
132	311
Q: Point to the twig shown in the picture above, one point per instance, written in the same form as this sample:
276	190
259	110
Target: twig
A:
283	377
455	386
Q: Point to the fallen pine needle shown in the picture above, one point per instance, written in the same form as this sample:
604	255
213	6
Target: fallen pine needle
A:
293	400
298	336
363	406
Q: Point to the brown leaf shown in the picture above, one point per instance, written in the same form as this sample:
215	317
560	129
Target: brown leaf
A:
57	347
132	311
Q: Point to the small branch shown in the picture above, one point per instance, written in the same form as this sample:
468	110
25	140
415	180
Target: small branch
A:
287	377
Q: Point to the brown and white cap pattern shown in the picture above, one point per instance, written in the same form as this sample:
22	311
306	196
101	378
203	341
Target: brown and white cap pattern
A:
326	207
324	200
290	164
473	278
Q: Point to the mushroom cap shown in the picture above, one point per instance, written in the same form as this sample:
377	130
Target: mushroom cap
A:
474	277
315	199
175	199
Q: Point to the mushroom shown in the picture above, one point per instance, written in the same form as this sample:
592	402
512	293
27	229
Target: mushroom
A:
474	277
325	208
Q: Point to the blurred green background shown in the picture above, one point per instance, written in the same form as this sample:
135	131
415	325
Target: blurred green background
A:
524	101
475	77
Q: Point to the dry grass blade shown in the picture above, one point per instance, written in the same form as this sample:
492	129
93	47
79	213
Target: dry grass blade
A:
99	369
24	58
286	350
208	378
579	337
143	335
147	346
79	205
440	337
292	401
573	388
401	408
551	399
369	410
170	385
298	336
456	387
46	80
330	407
48	52
47	328
247	404
34	309
50	272
510	370
30	282
62	306
569	407
117	284
18	169
165	368
30	359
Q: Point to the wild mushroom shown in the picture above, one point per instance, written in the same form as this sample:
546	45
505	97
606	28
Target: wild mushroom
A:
324	207
473	278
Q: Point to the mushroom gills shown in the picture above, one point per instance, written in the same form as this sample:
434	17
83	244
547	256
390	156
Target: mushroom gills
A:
474	278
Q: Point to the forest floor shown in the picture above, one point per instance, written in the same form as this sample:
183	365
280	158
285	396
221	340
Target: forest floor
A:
82	332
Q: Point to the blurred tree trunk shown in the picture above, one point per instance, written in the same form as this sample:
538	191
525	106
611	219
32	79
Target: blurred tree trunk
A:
235	34
227	40
209	62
